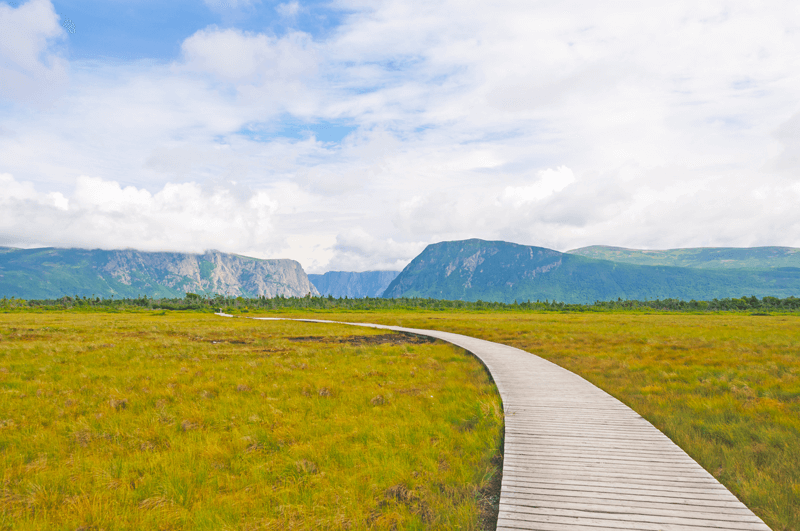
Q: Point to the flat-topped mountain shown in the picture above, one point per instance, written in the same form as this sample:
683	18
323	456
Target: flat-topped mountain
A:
50	273
353	285
698	257
501	271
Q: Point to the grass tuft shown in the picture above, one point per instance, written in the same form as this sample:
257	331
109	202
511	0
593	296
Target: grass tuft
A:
192	422
724	387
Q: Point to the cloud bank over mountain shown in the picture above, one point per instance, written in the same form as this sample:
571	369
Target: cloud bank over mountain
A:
350	135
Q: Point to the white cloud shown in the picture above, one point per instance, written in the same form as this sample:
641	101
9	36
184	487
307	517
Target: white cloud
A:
58	200
313	250
101	213
234	55
549	182
358	250
554	124
15	191
32	66
289	9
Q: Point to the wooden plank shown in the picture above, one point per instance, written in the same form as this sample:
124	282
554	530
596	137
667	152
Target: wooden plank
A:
622	476
590	490
610	456
626	521
650	508
636	516
637	486
533	466
663	509
514	477
577	458
544	446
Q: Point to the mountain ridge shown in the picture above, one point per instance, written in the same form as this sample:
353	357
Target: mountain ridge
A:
52	272
767	257
502	271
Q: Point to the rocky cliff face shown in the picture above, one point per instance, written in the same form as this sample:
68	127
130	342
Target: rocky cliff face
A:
53	273
212	272
473	269
502	271
353	285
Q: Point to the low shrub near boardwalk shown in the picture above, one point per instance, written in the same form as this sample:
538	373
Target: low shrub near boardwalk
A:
191	421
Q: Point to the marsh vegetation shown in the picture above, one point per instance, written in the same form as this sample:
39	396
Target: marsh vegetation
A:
175	420
185	420
725	387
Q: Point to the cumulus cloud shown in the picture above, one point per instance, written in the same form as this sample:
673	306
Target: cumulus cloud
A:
665	208
554	124
358	250
102	213
549	182
289	9
235	55
32	65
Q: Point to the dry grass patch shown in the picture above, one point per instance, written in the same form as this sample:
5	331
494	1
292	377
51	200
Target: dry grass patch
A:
724	387
190	421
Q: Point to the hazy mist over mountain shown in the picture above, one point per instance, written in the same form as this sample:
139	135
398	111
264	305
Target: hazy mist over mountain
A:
353	285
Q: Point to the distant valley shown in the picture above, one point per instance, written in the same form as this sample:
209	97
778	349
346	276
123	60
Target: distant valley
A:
353	285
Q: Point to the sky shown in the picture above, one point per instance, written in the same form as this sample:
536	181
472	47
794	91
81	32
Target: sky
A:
348	135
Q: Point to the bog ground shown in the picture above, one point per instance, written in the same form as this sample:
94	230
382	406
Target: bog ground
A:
185	421
724	386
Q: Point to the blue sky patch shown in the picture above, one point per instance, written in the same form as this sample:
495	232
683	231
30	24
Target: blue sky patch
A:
323	131
155	29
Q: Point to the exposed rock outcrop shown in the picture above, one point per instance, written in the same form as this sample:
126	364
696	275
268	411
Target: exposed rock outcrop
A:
53	273
502	271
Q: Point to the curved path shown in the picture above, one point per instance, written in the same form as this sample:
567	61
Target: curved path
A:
577	458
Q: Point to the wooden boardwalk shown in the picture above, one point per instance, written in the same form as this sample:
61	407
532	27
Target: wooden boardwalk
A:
577	458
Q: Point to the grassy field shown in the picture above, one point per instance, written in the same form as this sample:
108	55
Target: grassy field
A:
190	421
724	387
171	420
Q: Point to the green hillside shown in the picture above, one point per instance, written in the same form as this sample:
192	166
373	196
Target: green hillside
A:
51	273
698	257
501	271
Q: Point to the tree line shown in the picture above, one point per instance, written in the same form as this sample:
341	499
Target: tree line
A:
193	301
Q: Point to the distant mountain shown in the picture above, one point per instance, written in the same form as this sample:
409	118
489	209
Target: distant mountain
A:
353	285
699	257
53	273
501	271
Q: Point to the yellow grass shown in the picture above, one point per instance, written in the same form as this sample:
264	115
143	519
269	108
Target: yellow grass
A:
190	421
724	387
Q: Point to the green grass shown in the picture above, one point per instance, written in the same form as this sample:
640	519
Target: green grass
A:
188	421
724	387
